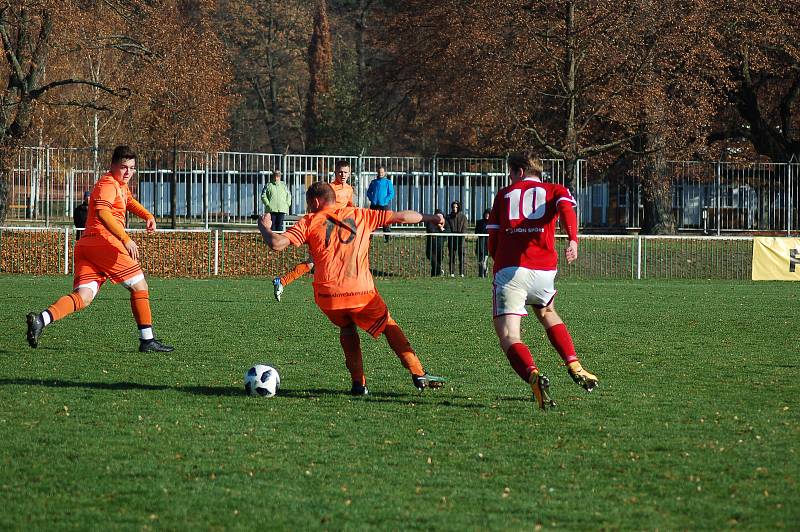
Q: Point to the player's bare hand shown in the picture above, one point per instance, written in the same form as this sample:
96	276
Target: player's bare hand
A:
439	219
571	252
265	221
133	249
150	225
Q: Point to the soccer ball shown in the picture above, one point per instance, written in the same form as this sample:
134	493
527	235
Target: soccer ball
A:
262	380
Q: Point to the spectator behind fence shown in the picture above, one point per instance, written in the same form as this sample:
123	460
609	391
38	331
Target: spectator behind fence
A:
481	250
80	213
434	246
380	194
456	222
277	200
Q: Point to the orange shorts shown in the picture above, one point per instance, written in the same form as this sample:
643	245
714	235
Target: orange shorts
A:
96	259
372	317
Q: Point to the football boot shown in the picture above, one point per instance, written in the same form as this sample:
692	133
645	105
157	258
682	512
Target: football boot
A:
427	381
277	288
35	327
359	389
540	386
154	346
582	377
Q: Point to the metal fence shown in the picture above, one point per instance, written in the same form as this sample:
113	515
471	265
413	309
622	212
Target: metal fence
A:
224	188
707	197
199	189
234	253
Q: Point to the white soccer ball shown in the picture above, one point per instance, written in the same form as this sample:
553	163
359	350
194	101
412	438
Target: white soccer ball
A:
262	380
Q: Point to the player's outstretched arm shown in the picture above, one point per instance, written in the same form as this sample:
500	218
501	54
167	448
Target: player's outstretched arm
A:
275	241
414	217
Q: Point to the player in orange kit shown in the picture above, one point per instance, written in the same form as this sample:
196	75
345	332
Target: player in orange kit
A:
105	252
344	198
338	240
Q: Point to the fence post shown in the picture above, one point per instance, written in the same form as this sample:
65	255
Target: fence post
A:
789	201
216	252
639	257
718	194
66	250
435	183
206	172
47	188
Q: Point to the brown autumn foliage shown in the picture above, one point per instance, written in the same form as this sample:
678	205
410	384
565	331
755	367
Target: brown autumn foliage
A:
574	79
759	44
267	41
147	73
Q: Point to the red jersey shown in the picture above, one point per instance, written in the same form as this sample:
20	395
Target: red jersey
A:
338	242
524	218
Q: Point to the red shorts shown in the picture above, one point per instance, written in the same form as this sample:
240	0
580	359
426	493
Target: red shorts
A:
372	317
97	259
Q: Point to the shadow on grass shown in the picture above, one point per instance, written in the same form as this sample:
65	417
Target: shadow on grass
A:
228	391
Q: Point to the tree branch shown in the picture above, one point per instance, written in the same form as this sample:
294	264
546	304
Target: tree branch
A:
121	93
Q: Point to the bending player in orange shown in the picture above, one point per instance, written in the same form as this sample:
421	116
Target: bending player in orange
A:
338	241
104	252
344	198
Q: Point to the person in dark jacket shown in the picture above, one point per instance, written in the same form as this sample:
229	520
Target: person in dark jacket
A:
481	244
455	222
434	246
80	213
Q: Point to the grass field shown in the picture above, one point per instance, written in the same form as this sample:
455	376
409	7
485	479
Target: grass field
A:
696	424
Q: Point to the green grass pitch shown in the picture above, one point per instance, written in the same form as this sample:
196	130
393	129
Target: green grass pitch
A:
696	423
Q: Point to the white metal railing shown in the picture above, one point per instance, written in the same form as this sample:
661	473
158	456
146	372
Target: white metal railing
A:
204	253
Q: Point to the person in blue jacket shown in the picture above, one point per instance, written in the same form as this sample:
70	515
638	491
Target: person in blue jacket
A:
380	194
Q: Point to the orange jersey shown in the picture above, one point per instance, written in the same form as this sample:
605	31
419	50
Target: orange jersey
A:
344	194
110	195
338	241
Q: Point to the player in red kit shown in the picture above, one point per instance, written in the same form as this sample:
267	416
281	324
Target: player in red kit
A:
521	230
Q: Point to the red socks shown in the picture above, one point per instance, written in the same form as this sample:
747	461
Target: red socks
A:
562	342
521	360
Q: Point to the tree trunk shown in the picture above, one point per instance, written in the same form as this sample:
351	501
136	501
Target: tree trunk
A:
657	192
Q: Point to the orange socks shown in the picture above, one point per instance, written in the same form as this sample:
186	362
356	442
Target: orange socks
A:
140	305
402	348
298	271
351	344
65	306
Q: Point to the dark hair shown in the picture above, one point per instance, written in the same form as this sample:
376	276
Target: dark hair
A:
122	153
341	163
487	211
457	204
321	190
527	162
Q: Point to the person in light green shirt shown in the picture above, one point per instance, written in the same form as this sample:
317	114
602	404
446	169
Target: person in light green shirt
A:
277	200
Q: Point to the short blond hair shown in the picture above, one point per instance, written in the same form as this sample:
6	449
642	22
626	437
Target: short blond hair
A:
527	162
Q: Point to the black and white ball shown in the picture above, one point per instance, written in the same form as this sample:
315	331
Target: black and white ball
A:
262	380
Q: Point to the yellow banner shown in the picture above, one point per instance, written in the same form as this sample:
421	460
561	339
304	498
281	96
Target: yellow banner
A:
776	259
